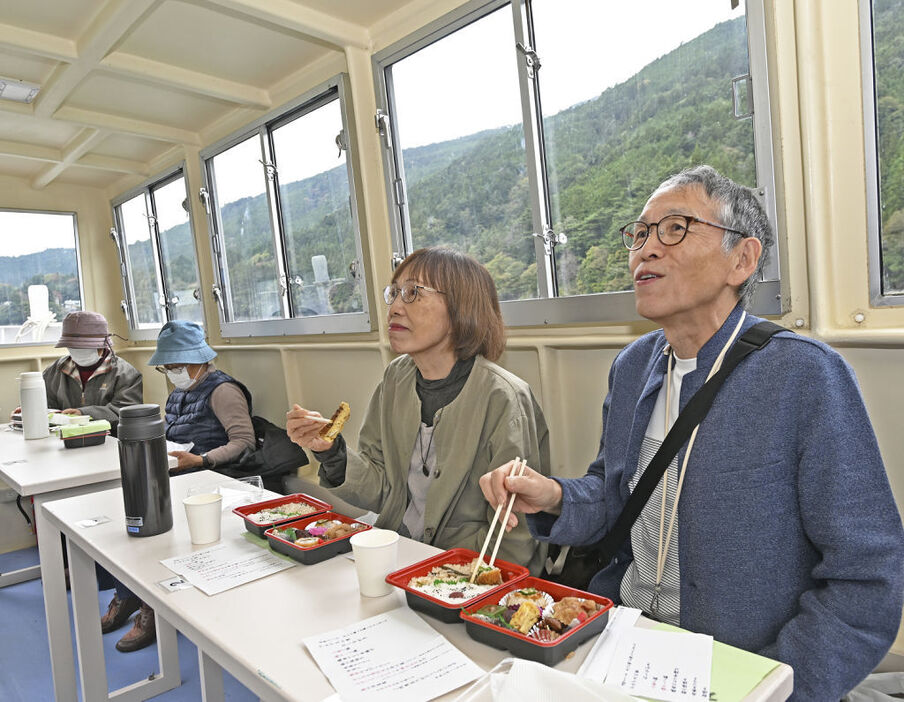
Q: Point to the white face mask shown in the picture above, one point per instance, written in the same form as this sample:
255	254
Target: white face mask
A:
180	378
84	357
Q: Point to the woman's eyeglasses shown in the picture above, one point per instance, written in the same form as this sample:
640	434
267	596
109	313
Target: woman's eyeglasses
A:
409	292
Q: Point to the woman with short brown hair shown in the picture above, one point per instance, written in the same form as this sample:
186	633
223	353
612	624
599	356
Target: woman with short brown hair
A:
443	415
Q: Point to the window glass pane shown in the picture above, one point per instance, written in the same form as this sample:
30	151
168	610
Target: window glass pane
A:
316	216
888	48
251	273
457	111
136	239
625	109
39	276
178	249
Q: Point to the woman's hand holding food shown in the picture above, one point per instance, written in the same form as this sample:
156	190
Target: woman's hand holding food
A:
303	427
533	491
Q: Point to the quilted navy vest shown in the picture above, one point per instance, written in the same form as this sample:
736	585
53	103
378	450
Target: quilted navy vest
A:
189	417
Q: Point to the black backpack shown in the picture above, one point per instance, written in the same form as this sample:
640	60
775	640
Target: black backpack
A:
274	456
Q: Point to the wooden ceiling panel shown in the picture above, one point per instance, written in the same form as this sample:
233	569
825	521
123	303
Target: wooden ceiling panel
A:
363	12
240	51
132	148
18	168
32	130
91	177
140	101
33	69
63	18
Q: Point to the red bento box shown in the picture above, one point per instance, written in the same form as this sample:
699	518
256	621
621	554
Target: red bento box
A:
258	528
449	611
524	645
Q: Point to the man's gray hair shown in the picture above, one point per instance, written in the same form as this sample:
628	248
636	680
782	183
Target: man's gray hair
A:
737	208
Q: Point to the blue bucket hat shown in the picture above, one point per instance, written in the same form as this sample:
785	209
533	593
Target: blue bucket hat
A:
181	342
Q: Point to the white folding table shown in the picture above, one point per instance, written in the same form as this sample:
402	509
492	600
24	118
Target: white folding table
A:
255	631
44	469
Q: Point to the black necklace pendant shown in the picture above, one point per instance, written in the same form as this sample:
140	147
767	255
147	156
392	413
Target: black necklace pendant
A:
426	470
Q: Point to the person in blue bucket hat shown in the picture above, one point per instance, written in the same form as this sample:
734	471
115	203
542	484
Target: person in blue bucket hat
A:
206	408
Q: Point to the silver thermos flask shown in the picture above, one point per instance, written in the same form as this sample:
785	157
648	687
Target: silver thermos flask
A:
145	471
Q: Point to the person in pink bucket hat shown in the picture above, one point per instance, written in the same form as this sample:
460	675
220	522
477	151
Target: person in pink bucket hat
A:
91	379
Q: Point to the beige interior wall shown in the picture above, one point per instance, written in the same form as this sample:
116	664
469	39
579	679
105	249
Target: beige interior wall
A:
815	86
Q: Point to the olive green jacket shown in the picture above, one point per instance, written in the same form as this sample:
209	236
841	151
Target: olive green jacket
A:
494	419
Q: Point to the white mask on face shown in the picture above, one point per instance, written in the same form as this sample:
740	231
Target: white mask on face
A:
84	357
180	378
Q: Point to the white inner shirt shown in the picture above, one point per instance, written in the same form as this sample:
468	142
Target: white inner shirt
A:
638	584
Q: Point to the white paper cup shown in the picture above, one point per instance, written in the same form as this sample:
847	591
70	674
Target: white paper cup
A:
203	514
376	552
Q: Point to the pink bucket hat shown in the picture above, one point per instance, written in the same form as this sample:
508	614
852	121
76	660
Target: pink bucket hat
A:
84	330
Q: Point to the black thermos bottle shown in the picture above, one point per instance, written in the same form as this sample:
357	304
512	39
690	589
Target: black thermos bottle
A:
145	471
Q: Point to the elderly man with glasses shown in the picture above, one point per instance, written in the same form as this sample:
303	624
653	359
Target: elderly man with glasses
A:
773	530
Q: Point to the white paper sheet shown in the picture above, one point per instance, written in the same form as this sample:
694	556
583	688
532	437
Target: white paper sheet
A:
226	565
393	657
596	664
663	665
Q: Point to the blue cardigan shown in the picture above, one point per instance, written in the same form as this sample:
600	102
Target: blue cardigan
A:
790	543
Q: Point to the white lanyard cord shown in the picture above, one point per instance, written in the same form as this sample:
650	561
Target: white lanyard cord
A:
663	549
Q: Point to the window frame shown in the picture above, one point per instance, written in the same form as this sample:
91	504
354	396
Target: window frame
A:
128	303
339	323
597	307
871	158
78	265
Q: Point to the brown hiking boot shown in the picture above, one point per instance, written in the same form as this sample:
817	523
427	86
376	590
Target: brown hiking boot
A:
143	632
118	613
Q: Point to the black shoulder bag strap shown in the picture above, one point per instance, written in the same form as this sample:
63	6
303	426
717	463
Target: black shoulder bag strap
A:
694	412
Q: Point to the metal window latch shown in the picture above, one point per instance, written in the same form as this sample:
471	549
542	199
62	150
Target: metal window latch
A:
341	142
124	306
551	239
736	98
396	259
152	220
174	300
381	122
531	58
353	270
113	235
205	199
217	293
196	293
269	168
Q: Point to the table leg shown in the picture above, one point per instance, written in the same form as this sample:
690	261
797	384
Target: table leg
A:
91	664
211	678
56	607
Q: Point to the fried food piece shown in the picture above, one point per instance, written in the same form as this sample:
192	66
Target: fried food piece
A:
489	576
568	609
527	615
337	421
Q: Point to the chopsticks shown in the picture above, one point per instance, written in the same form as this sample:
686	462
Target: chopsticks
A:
322	420
517	469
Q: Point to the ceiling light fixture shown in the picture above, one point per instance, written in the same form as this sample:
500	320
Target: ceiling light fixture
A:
18	90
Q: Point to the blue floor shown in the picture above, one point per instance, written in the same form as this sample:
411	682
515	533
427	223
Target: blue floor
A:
25	658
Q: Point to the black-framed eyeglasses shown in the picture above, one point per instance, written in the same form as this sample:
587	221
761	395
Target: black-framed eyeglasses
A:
409	292
671	230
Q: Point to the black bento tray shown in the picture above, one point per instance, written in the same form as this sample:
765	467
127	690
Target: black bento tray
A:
447	611
547	652
314	554
258	529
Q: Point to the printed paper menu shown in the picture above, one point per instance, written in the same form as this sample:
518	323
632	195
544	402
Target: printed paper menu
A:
226	565
662	665
393	657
